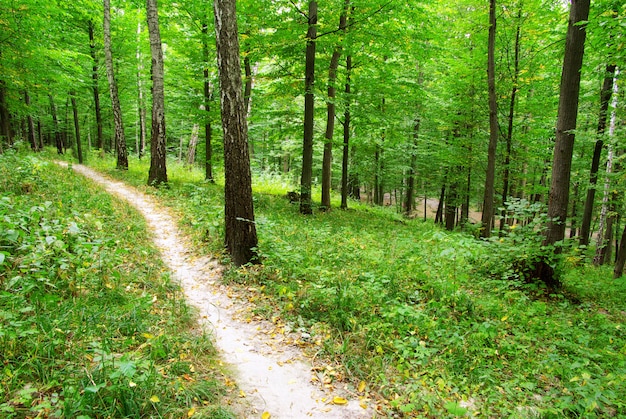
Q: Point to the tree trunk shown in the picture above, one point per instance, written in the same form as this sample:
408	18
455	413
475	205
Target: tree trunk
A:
488	204
509	132
208	168
309	109
79	149
158	139
58	139
451	206
346	137
95	87
141	103
193	143
31	124
439	214
566	122
409	202
120	138
240	239
618	271
330	115
605	98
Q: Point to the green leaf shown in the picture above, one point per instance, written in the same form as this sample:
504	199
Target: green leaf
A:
455	409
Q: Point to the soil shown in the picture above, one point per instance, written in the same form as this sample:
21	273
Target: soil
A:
271	372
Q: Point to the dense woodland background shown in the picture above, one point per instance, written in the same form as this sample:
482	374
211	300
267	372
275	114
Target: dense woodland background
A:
421	321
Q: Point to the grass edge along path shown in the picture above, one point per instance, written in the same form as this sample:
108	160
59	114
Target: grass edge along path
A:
90	323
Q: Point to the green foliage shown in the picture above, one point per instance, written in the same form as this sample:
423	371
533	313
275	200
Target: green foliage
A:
415	312
90	324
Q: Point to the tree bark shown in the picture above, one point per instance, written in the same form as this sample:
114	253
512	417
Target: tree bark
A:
193	143
158	140
141	103
5	118
208	168
346	137
605	98
309	109
409	202
58	139
488	204
31	124
120	138
79	148
240	238
618	270
566	122
95	86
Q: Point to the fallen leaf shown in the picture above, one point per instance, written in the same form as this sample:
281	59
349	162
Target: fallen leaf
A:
191	412
266	415
361	387
155	399
339	400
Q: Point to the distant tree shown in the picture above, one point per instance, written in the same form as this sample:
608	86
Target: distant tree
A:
120	138
240	238
95	85
158	139
79	148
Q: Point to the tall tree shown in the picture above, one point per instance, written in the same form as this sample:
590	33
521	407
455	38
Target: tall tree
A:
31	124
309	111
488	204
240	229
120	138
605	98
566	121
158	139
346	136
207	104
95	86
141	103
79	147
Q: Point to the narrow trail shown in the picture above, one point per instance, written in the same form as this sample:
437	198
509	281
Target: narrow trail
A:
272	374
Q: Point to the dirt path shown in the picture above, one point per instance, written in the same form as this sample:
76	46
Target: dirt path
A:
273	375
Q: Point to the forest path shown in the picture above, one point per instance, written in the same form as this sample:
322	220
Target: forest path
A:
272	373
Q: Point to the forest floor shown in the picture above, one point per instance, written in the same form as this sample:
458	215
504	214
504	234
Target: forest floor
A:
269	368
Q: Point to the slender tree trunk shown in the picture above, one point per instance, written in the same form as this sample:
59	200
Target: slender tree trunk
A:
601	240
141	102
451	206
566	122
309	109
5	118
193	143
488	204
158	139
442	195
346	137
58	139
240	238
31	124
79	148
208	168
509	132
605	98
95	87
120	138
330	114
409	202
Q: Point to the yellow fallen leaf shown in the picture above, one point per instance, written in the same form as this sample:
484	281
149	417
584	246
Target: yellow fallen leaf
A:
266	415
241	393
361	387
503	319
155	399
191	412
132	384
339	400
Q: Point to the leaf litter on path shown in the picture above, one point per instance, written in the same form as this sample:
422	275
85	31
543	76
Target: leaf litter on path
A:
275	379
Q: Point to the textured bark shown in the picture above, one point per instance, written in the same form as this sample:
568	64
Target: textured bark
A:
141	103
95	87
327	159
566	121
488	204
79	148
120	137
240	238
409	203
618	270
309	110
509	132
31	124
158	139
58	139
193	143
208	175
5	119
605	98
346	137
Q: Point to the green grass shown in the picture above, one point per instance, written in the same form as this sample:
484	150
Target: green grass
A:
90	324
421	315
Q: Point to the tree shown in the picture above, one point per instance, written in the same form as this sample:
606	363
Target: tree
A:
79	148
240	229
309	112
95	85
488	205
120	138
158	139
566	122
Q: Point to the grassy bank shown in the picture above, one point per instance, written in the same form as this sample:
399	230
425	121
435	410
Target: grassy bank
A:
90	324
420	316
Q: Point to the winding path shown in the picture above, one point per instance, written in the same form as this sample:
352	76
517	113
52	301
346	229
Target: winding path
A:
273	375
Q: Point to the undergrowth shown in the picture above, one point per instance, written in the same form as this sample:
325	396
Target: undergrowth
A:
436	323
90	324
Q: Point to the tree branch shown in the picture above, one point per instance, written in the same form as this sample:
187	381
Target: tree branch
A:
354	22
